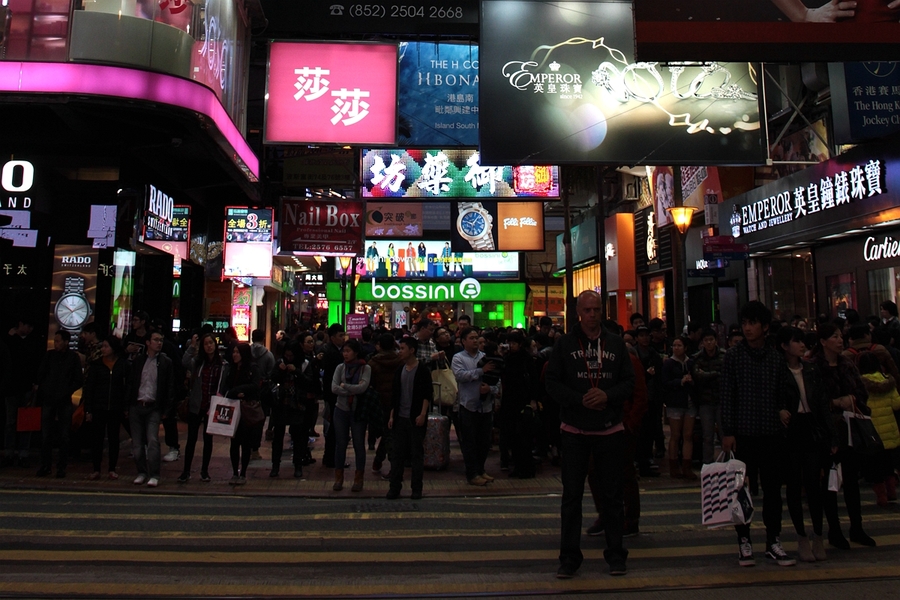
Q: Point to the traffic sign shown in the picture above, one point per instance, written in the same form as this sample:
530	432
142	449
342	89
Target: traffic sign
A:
728	255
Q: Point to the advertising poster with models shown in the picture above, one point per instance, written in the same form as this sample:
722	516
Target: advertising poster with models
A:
559	84
73	291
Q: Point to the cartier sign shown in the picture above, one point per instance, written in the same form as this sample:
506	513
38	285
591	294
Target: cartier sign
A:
874	249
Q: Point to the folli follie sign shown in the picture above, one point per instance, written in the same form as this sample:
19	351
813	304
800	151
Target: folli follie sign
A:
73	291
322	227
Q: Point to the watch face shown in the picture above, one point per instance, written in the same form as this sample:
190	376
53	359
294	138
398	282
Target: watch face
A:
71	311
472	224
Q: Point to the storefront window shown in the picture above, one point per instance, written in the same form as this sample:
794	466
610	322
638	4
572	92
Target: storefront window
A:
787	285
884	284
841	294
656	298
587	278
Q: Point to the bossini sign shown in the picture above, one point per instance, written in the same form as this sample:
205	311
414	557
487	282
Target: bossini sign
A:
466	290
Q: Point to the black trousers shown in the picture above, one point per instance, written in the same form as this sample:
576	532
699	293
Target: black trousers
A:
768	454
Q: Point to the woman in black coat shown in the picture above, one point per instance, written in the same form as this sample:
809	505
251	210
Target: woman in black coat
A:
104	403
242	380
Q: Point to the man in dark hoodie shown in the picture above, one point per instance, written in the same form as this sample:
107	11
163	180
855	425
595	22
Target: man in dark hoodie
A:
591	375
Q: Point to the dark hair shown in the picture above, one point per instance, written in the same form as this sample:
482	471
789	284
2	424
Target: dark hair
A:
852	316
115	344
90	327
516	337
788	334
354	345
246	355
202	356
367	331
867	362
410	342
634	317
424	322
756	312
545	321
386	342
612	326
258	335
708	333
656	324
694	326
65	335
890	307
826	330
882	336
859	332
334	329
684	342
466	331
466	318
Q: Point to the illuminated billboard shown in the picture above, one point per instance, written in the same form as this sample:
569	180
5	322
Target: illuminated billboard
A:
559	84
496	226
428	259
248	242
777	31
451	173
331	93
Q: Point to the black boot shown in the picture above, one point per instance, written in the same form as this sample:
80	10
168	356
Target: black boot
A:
274	471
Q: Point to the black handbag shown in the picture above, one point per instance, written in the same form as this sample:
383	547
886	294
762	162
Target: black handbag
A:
252	414
863	435
367	407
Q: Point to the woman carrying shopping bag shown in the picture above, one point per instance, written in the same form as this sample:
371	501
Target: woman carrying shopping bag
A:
884	401
351	380
845	391
206	368
242	381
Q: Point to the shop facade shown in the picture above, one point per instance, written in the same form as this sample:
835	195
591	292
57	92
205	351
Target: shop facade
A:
653	267
822	240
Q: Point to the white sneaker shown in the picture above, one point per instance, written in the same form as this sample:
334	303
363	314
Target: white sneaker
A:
153	482
140	479
172	455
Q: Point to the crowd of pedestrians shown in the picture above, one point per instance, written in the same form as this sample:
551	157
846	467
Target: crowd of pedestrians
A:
594	401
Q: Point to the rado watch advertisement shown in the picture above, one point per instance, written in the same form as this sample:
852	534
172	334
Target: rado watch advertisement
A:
497	226
73	292
558	83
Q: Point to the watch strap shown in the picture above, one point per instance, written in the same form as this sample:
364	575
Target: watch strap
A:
73	285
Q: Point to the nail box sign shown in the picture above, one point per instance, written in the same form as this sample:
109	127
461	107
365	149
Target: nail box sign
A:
331	93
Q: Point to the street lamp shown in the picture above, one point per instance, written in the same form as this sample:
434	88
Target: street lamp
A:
546	270
345	264
681	216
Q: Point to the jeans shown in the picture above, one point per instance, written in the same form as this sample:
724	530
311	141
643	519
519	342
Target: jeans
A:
59	417
607	452
710	418
13	403
474	440
328	433
631	495
194	424
409	443
345	427
145	438
105	424
769	454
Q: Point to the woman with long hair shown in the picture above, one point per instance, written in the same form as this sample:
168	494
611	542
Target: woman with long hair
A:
288	410
680	409
845	391
242	381
311	389
104	402
351	380
812	439
203	362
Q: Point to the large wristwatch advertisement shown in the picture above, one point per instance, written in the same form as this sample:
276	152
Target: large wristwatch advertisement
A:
72	308
73	291
475	225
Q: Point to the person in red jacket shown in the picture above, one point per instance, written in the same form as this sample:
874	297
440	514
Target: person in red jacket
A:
632	413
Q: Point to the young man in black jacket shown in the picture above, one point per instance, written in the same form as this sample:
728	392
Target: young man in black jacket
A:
591	375
412	395
150	391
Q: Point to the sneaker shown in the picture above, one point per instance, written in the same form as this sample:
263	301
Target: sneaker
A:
113	475
205	478
153	482
393	494
630	531
140	479
241	480
486	476
478	480
183	478
172	455
234	480
596	529
745	553
298	473
94	476
618	568
566	571
775	552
